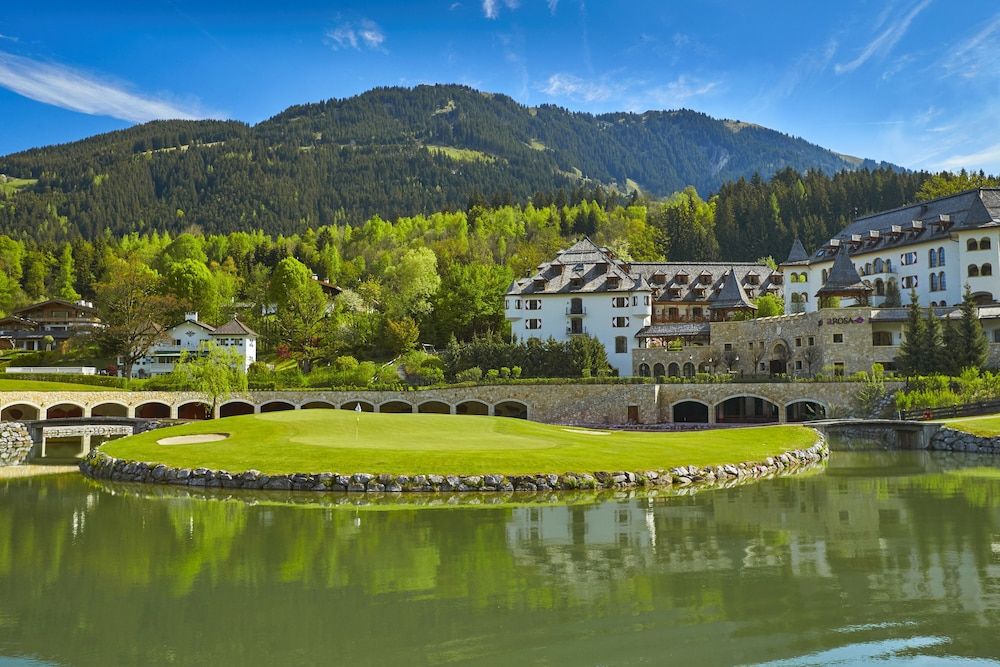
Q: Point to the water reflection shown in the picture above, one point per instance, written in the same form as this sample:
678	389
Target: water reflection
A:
881	557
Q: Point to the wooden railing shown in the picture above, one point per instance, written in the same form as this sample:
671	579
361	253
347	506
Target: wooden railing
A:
964	410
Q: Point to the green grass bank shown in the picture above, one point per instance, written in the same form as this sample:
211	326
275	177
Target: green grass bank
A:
312	441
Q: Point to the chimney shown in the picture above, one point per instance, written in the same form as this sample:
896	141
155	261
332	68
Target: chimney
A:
191	316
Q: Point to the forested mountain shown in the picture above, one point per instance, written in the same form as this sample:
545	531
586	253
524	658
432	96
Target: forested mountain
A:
389	152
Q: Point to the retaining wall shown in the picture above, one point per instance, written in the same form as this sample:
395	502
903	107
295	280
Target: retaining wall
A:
15	444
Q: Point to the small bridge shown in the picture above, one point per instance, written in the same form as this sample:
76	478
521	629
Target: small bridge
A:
884	433
73	437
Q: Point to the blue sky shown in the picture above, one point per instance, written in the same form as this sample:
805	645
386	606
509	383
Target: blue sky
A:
915	82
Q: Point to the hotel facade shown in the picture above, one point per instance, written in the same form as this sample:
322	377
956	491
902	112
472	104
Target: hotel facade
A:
680	319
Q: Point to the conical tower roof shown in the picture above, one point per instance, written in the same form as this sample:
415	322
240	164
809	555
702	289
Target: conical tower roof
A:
797	253
843	279
732	296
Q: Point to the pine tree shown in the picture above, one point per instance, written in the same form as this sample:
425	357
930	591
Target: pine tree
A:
971	348
912	353
934	358
892	297
66	276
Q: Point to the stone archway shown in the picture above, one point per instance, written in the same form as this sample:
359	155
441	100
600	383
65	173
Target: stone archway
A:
472	407
18	412
804	410
152	410
514	409
780	355
234	408
746	410
690	412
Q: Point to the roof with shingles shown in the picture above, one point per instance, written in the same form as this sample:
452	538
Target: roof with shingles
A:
731	296
234	328
843	278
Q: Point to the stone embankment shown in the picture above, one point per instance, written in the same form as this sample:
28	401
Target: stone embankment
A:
102	466
15	444
951	440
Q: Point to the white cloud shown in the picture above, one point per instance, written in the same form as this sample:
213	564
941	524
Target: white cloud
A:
356	35
977	55
552	6
885	41
72	89
632	95
9	38
491	8
577	88
987	159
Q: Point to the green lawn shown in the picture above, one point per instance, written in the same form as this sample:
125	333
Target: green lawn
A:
312	441
986	426
41	385
12	185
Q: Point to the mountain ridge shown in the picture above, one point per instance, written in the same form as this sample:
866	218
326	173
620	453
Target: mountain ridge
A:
389	151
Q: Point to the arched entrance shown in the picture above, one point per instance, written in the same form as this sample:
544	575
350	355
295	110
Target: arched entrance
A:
472	408
109	410
644	370
689	370
233	408
318	405
19	411
395	407
690	412
658	371
434	408
276	406
779	358
64	411
365	406
746	410
194	410
804	411
514	409
153	410
674	369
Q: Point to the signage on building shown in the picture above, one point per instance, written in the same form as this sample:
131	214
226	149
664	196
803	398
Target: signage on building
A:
842	320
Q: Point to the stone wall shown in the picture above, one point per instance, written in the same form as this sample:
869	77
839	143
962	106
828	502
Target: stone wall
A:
562	403
15	444
102	466
951	440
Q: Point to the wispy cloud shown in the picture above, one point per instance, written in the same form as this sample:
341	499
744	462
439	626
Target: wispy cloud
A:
632	95
73	89
553	4
884	42
9	38
491	8
976	55
988	158
357	35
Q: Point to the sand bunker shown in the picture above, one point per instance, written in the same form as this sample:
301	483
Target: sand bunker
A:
192	439
583	432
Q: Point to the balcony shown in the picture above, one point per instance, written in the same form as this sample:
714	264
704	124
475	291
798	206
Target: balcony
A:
576	331
576	310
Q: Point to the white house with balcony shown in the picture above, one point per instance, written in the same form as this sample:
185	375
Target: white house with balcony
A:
188	336
585	290
934	248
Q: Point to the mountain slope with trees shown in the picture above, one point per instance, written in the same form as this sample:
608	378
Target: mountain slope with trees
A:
389	152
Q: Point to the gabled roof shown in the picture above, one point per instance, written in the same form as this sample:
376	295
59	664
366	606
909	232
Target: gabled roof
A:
843	278
797	253
207	327
582	268
234	328
732	296
56	302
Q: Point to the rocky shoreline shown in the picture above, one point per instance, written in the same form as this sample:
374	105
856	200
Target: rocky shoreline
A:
103	467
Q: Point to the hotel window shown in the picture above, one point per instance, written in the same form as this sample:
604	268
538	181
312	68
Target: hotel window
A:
798	342
798	365
533	304
838	338
996	335
984	244
940	256
635	301
881	338
932	257
934	282
619	322
619	301
517	304
909	282
812	341
878	265
532	324
729	346
941	285
972	244
986	269
645	300
838	368
908	258
621	344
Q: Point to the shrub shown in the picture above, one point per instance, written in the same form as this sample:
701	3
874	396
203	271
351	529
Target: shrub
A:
474	374
492	374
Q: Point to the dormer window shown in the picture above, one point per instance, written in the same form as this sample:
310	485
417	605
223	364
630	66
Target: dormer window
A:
659	278
777	278
673	293
538	283
613	282
705	278
753	278
681	278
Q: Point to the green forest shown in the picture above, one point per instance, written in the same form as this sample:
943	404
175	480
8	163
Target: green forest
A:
391	152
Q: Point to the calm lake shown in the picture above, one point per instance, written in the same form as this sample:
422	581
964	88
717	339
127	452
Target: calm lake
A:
882	557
